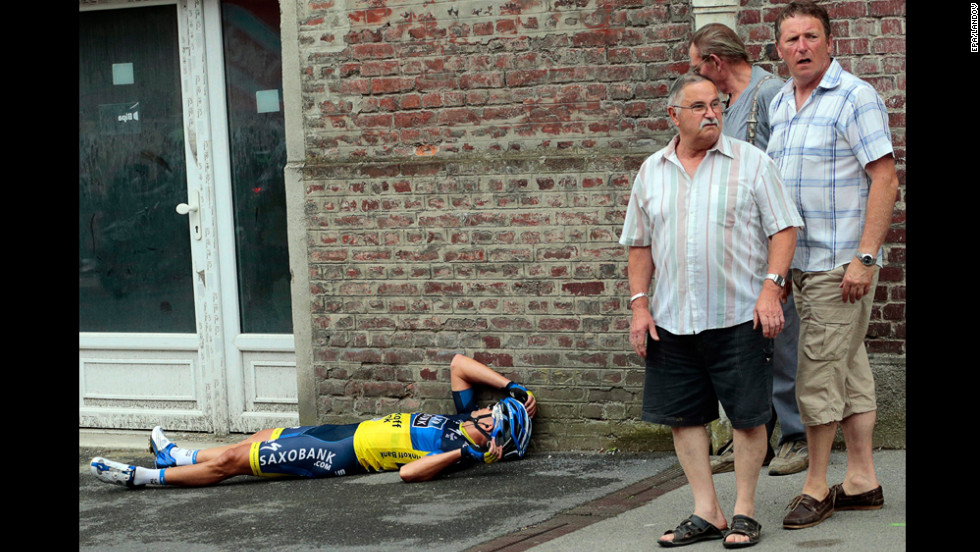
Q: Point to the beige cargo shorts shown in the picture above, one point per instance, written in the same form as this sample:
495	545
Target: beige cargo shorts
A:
833	377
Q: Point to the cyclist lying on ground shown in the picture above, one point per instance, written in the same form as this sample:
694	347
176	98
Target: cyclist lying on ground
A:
418	445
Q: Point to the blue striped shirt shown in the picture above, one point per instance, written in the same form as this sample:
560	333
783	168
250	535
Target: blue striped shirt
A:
709	235
821	151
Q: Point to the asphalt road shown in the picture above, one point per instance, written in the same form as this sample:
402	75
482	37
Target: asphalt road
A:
477	508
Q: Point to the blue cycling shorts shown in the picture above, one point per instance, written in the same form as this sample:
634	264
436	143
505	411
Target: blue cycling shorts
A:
307	451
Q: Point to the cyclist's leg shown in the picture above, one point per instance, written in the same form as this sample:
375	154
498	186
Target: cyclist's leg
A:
231	462
208	454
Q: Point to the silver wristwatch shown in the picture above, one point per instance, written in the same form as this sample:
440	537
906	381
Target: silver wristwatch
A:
867	259
780	281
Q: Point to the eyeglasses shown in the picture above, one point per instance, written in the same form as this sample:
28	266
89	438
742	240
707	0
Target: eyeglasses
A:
697	68
699	108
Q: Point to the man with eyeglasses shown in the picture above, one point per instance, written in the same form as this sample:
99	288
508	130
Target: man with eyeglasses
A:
831	142
709	214
419	446
717	52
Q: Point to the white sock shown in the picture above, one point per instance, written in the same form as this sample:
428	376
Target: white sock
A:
183	456
148	476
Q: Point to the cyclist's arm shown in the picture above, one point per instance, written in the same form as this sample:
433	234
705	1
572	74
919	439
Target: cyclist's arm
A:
466	372
428	467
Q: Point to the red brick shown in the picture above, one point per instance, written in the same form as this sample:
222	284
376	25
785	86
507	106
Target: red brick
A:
584	288
888	7
368	121
559	324
372	51
412	119
495	360
526	78
888	45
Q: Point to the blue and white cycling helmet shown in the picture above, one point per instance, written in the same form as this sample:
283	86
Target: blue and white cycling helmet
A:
511	428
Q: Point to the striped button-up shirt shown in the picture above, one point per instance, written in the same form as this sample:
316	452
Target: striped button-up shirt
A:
708	234
821	151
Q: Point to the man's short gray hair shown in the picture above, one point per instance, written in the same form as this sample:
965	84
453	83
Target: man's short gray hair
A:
802	8
684	80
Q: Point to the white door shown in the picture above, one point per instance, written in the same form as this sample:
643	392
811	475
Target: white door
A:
184	301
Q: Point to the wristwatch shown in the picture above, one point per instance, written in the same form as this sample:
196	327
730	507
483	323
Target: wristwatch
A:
780	281
867	259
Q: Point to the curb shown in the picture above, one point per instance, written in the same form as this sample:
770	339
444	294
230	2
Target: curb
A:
583	515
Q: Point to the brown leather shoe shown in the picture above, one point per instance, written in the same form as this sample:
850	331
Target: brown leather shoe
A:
806	511
871	500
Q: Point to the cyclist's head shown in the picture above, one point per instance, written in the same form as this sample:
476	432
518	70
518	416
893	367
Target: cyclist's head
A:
510	428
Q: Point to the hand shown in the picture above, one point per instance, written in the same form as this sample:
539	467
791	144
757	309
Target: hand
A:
641	326
857	282
494	450
487	457
768	310
525	397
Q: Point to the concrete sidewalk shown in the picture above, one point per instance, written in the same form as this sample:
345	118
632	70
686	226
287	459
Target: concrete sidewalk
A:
882	529
573	501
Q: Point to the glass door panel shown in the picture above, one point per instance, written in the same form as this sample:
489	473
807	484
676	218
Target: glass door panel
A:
253	77
134	253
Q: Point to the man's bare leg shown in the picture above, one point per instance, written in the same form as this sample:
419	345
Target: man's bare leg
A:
750	452
858	432
691	444
820	440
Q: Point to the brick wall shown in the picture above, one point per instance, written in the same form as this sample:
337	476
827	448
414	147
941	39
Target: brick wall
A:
468	166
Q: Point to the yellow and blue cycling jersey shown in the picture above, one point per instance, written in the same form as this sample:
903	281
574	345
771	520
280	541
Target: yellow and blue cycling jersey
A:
383	444
397	439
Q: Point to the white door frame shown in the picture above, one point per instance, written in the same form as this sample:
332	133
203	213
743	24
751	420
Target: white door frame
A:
228	367
259	368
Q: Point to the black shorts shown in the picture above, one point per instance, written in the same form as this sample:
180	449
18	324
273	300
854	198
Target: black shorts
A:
688	375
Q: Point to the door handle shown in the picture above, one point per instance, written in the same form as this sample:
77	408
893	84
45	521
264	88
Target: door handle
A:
192	209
